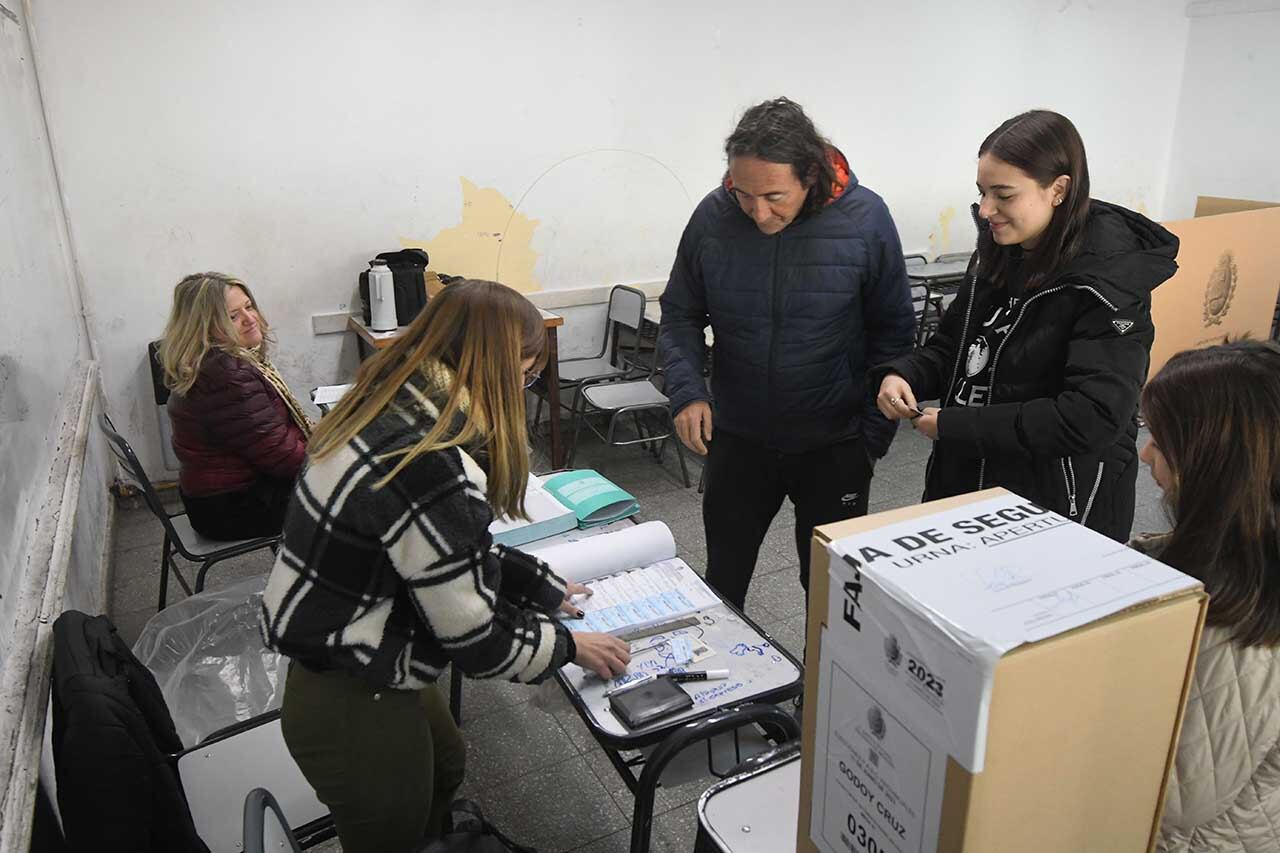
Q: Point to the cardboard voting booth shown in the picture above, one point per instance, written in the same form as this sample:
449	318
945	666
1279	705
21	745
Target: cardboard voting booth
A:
985	675
1226	285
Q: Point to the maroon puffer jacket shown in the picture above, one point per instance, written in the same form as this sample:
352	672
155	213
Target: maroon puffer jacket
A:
232	428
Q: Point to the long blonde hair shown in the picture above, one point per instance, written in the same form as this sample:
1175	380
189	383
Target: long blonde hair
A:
480	331
198	323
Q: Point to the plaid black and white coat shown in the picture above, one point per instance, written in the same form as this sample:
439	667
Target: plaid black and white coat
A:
392	584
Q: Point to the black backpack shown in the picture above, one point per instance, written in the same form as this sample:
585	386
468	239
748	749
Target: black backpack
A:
408	276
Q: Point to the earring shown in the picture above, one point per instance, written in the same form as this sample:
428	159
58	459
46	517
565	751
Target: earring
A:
1057	201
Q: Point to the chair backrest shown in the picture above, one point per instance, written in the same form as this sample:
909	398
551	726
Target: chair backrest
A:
161	395
158	389
919	292
626	306
133	470
950	257
626	310
264	825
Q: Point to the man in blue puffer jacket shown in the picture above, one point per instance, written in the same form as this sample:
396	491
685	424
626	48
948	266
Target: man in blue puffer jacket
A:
798	270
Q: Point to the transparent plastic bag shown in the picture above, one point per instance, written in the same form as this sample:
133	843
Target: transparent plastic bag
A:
206	652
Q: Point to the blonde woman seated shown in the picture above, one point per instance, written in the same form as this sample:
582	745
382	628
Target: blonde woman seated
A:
239	434
388	574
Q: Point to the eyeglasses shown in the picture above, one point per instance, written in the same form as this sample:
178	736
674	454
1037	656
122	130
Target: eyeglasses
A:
530	378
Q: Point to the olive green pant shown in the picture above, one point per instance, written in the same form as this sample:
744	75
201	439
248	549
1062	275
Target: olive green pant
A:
385	762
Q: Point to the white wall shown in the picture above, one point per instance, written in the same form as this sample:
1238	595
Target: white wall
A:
42	335
1225	139
286	142
54	467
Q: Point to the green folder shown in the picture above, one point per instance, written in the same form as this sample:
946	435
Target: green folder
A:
593	499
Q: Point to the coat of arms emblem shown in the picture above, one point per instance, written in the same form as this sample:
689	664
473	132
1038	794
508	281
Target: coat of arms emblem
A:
1220	289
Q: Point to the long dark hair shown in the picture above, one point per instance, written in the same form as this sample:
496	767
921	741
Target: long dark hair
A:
1215	415
1045	145
778	131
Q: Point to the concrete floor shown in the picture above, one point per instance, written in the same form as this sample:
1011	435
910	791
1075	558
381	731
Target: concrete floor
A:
532	765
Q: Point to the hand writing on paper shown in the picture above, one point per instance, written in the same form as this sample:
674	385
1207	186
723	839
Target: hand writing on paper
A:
567	607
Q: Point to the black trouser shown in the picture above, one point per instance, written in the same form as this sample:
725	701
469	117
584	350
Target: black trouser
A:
257	511
744	490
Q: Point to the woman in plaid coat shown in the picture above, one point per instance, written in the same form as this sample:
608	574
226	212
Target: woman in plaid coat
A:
387	571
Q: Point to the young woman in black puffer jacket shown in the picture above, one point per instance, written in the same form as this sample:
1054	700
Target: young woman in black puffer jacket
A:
1039	361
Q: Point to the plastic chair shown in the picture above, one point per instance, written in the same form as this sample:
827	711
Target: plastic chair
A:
161	395
179	535
626	311
952	257
264	825
920	300
636	397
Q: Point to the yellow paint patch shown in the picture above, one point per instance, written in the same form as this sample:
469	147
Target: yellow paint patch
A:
493	241
940	239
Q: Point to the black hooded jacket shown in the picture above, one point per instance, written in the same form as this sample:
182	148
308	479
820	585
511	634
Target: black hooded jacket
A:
1059	425
112	735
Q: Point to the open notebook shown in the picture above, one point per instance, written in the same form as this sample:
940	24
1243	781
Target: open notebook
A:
561	502
635	576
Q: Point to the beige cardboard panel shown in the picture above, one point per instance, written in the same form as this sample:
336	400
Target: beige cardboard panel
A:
1207	205
1066	713
1226	285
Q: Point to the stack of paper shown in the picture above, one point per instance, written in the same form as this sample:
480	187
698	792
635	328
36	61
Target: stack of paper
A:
643	597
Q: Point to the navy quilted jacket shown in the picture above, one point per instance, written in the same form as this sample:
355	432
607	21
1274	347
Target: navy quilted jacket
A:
797	316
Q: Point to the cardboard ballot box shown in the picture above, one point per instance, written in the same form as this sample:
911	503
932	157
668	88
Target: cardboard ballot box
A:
985	676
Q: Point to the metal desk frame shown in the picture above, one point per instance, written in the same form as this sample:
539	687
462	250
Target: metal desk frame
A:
673	736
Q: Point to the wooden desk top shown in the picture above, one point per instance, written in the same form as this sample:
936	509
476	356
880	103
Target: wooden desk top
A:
380	340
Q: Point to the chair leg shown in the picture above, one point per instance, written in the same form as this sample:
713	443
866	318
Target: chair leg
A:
204	569
577	431
537	413
702	478
455	694
164	574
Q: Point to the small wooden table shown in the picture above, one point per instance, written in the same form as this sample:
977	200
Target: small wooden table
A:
369	341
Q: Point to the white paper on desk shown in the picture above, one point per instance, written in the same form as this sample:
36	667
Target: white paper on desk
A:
327	395
640	598
596	556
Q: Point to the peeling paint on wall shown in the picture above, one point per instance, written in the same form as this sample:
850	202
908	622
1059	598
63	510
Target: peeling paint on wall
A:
940	237
493	241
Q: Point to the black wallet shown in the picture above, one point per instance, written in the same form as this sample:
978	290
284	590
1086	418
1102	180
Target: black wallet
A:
640	706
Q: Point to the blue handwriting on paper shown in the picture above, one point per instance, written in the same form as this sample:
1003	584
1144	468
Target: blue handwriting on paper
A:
628	677
718	692
742	649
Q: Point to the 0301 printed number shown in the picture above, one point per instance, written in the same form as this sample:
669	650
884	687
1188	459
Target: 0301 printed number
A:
861	835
